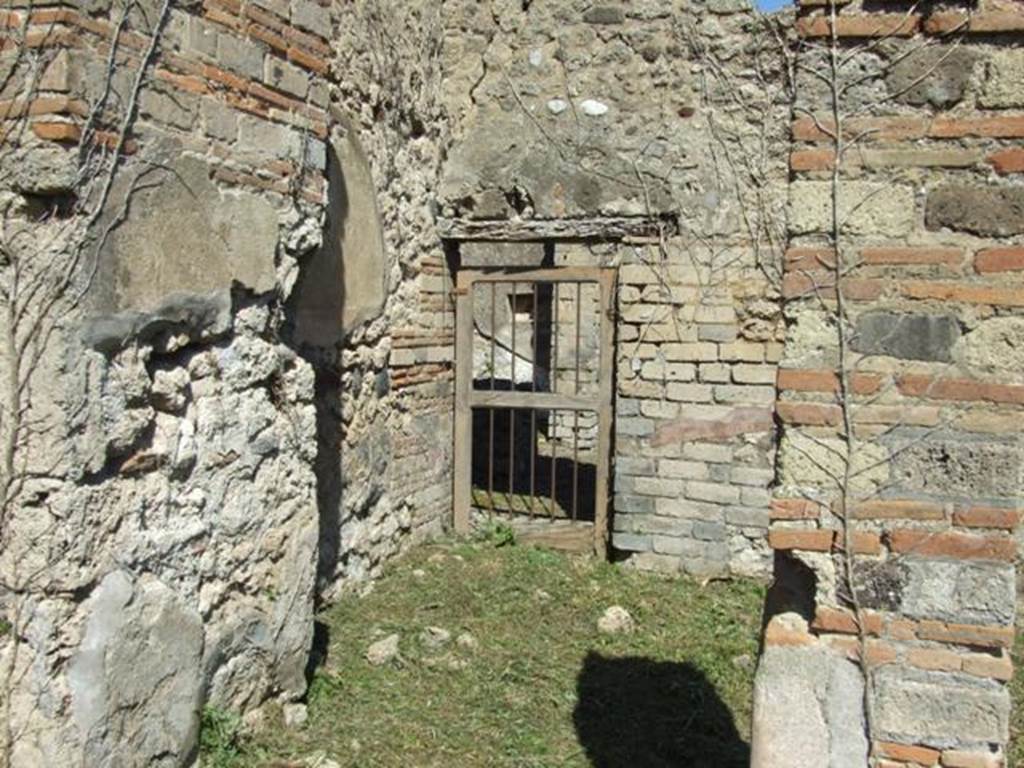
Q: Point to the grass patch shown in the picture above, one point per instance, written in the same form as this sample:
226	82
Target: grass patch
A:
539	686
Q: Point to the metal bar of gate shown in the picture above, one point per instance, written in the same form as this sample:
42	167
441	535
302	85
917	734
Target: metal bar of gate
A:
576	414
533	411
512	411
490	411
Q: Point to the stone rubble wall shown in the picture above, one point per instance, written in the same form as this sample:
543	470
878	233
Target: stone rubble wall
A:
932	200
199	450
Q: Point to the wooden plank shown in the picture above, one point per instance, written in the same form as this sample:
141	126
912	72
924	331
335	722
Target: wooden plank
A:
524	230
606	379
463	469
485	398
570	274
567	536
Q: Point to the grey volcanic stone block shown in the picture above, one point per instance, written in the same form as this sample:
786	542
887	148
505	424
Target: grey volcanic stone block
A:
939	709
910	337
135	680
950	465
935	75
959	592
995	211
807	710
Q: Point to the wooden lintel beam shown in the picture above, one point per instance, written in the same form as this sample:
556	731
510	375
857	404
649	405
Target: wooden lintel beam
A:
526	230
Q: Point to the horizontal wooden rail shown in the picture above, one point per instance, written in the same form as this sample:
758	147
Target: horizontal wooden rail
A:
532	400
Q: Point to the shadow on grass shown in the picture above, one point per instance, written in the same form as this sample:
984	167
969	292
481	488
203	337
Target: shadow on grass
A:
652	714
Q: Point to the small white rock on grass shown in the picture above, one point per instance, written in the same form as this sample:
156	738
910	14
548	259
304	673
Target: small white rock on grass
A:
616	620
383	651
434	638
467	641
295	715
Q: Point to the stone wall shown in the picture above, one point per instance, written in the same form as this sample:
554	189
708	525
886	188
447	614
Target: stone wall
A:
251	407
932	316
673	113
255	379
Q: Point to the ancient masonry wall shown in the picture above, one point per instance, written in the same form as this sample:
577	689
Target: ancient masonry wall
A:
187	420
661	110
933	203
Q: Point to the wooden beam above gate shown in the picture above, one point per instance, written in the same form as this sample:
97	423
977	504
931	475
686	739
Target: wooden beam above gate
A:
525	230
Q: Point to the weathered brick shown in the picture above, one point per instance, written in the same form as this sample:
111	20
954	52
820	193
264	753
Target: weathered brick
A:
951	544
907	753
753	374
713	492
750	393
754	476
709	530
819	128
962	292
935	659
968	390
950	257
898	510
995	127
957	758
1007	161
239	55
999	260
635	426
659	409
984	665
981	21
809	414
860	25
987	517
693	393
658	486
743	351
688	470
312	17
755	497
717	332
795	509
628	503
966	634
827	619
675	545
631	542
286	77
747	517
715	454
817	380
690	351
814	541
655	370
714	373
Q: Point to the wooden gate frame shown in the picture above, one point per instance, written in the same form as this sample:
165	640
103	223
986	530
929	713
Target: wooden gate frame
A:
466	398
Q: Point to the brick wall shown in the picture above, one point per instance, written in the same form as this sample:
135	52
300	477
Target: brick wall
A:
930	193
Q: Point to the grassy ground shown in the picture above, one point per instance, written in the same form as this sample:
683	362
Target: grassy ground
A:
540	686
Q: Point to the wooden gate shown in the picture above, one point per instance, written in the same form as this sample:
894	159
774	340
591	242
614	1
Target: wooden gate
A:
533	402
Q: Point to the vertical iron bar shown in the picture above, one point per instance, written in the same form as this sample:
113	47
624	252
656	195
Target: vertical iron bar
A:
512	411
553	386
533	412
552	420
575	460
576	414
490	413
553	374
